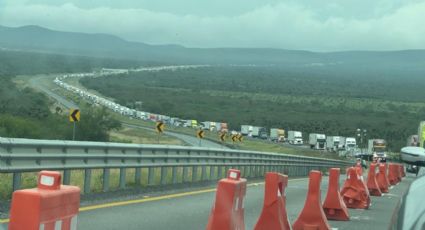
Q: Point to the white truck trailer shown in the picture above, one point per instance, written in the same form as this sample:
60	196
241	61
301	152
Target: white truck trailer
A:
295	137
333	143
317	141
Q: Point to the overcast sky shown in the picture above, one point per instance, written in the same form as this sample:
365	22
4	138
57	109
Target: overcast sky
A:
319	25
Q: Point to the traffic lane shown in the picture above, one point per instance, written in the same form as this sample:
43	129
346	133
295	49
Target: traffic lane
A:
194	141
35	82
189	212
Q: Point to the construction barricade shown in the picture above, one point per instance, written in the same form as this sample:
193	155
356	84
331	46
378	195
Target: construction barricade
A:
372	184
382	179
312	216
399	173
274	215
354	192
393	174
334	207
50	206
228	212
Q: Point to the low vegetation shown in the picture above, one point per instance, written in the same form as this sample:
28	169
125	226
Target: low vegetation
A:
333	104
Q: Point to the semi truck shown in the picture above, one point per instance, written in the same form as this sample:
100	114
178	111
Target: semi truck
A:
317	141
209	125
350	144
259	132
377	147
277	135
413	140
333	143
295	138
246	130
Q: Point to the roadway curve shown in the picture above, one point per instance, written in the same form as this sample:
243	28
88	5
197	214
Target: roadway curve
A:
192	211
36	83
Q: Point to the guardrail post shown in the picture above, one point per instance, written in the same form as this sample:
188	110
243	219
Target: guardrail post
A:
87	180
212	172
204	173
151	176
220	172
106	174
164	172
66	177
247	171
194	173
16	181
174	176
185	174
138	176
122	178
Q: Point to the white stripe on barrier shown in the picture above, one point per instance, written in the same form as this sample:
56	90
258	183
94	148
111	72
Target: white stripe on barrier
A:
58	225
41	227
74	223
237	203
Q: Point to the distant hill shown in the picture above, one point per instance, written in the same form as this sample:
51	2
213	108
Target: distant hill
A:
39	39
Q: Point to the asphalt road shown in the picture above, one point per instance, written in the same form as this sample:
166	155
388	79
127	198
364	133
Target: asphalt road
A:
36	83
192	211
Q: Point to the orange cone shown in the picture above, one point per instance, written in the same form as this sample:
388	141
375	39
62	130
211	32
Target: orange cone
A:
354	192
334	207
372	184
393	174
274	215
312	215
381	178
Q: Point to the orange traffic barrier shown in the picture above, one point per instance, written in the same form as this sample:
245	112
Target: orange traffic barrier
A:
372	184
46	207
354	192
312	216
399	172
359	169
334	207
274	215
228	212
382	179
393	174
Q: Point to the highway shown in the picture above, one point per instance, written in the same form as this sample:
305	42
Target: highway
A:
36	82
190	210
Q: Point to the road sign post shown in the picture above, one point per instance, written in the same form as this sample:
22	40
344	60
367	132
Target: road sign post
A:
74	117
200	134
222	136
160	126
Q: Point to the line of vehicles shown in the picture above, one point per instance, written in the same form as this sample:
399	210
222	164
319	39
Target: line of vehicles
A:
315	141
133	113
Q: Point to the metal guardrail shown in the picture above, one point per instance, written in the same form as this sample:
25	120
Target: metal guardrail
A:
186	163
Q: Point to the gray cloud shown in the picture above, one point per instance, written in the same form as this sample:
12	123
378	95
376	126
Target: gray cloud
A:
289	25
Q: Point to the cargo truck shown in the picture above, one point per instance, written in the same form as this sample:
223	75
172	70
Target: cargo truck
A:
413	140
224	127
333	143
246	130
350	144
317	141
208	125
377	147
295	138
259	132
277	135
